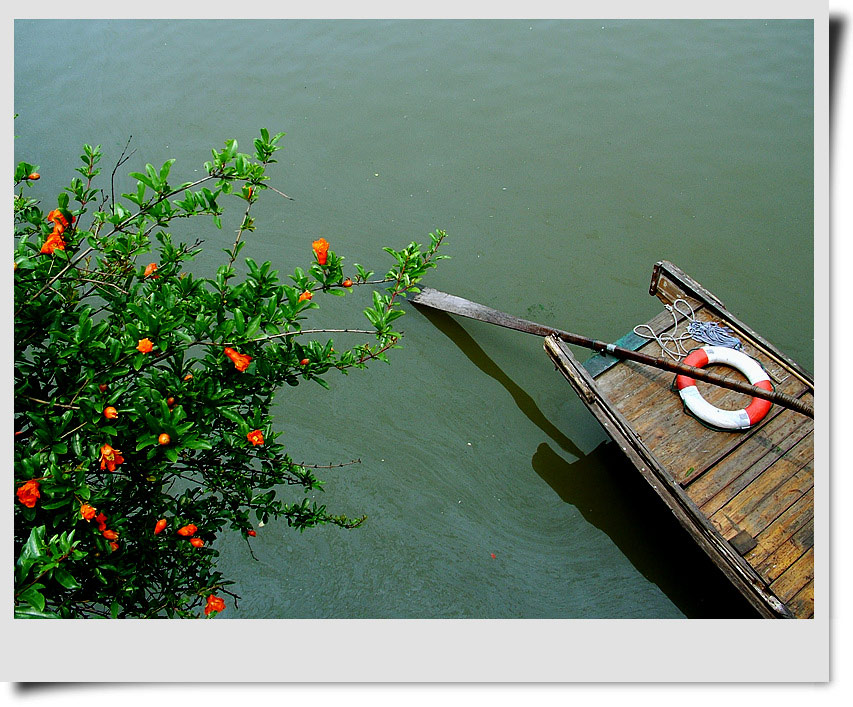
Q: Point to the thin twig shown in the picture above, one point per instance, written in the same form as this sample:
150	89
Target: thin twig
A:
279	192
121	160
48	402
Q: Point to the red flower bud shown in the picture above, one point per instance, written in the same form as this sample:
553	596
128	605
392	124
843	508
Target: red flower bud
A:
196	542
110	413
251	532
161	524
321	250
187	530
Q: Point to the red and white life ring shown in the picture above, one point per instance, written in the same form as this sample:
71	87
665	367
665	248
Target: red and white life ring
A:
701	408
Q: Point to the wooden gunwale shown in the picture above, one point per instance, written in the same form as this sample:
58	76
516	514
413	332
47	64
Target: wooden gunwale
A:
746	498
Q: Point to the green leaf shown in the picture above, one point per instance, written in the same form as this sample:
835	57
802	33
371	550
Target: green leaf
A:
145	179
33	596
28	612
239	322
65	578
145	440
164	170
32	551
231	415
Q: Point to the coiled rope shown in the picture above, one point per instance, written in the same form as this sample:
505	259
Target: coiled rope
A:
713	333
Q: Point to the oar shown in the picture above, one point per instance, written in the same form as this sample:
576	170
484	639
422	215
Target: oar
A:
452	304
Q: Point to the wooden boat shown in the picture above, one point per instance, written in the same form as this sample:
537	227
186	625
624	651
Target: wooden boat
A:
746	497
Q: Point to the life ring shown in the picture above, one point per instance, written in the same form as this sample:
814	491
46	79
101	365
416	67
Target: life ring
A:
714	416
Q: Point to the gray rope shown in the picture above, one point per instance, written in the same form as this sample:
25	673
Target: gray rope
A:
714	333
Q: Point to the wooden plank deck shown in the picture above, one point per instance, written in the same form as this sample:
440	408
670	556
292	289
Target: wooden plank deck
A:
746	497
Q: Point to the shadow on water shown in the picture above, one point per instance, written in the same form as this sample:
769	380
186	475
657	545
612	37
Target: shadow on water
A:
613	497
454	331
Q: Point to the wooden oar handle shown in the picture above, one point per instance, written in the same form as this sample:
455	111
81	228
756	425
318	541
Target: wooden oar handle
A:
459	305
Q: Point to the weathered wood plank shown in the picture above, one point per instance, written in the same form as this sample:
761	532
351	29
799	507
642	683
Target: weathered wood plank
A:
795	578
791	521
780	437
786	554
771	489
802	603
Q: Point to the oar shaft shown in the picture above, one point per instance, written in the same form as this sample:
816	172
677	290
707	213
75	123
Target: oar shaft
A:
466	308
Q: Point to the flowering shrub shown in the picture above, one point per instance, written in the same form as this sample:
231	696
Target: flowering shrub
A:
143	389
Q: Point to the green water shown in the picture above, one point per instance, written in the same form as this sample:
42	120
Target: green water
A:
563	158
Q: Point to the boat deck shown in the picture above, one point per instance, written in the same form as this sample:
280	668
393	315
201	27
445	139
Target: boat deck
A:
746	497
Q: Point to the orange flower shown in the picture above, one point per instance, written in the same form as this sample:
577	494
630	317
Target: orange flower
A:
256	437
304	362
114	546
187	530
160	525
29	493
196	542
60	220
149	270
110	534
241	361
305	295
214	603
164	439
87	512
110	458
34	176
110	413
347	283
321	250
144	346
54	241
